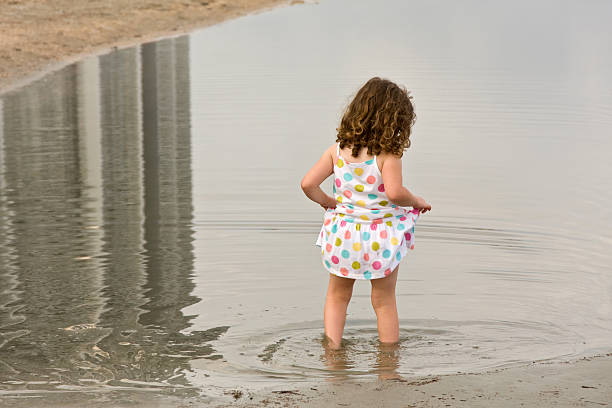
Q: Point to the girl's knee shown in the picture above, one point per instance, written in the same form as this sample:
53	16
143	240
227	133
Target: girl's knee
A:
340	289
340	294
383	292
381	299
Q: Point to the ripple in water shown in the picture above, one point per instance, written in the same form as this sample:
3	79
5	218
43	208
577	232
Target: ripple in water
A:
297	353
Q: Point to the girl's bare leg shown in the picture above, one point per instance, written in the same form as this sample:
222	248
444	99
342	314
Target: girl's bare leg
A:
339	294
383	302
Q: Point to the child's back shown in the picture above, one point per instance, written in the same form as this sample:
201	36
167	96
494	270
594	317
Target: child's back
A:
365	236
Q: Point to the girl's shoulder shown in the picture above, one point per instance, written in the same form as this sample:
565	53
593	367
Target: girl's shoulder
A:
383	157
332	151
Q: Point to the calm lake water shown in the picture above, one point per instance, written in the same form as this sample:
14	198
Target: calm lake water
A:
153	234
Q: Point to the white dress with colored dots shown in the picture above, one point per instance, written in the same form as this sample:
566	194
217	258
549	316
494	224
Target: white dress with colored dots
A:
365	236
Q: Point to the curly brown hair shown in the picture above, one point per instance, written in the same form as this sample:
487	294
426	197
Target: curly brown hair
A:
379	117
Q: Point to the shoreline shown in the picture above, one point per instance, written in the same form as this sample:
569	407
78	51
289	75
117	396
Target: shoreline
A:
584	382
67	32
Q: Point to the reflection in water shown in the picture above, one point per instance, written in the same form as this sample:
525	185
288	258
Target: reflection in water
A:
45	221
337	361
340	361
387	361
96	248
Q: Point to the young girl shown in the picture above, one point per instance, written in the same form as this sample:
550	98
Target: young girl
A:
367	228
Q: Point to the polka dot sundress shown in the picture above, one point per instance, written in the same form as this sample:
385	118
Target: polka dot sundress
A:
365	236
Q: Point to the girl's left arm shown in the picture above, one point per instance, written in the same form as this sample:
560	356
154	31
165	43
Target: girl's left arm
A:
316	175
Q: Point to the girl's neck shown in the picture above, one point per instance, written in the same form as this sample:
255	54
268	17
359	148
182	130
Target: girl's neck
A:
347	155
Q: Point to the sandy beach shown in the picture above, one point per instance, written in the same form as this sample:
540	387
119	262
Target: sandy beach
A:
37	36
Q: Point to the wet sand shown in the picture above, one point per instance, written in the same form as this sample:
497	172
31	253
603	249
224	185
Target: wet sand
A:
583	383
39	35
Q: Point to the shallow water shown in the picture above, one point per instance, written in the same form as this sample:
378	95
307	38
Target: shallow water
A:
153	234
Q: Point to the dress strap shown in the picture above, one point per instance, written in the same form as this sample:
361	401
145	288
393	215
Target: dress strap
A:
338	150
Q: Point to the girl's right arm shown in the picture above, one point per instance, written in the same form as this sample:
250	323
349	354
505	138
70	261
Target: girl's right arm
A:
398	194
322	169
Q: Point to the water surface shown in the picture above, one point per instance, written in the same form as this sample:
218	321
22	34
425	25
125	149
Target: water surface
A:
153	234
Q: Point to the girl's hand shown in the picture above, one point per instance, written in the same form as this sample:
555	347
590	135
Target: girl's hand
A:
328	203
422	205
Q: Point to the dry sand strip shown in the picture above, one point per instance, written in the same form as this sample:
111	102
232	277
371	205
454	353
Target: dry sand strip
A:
37	35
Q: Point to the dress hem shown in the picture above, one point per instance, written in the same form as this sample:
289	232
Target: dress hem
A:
392	266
